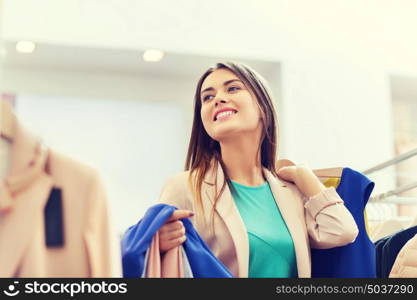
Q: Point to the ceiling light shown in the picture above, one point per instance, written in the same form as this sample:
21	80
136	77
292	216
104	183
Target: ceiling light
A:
153	55
25	47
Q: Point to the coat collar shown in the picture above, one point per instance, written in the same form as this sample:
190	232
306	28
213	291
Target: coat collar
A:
229	213
28	159
25	148
20	223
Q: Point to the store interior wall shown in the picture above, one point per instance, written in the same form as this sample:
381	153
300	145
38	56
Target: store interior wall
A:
333	94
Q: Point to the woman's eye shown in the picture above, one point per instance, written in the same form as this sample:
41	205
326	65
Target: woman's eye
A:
233	88
205	98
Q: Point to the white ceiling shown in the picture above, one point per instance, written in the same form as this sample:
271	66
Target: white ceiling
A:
380	32
48	56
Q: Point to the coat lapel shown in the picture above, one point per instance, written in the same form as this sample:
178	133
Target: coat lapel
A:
228	212
18	225
293	216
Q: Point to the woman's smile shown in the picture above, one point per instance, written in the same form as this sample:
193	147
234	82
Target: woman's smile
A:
223	114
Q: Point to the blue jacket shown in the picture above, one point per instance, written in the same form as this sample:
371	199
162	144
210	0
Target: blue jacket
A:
358	258
138	238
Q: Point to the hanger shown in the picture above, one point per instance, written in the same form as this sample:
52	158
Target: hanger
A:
323	174
7	122
329	172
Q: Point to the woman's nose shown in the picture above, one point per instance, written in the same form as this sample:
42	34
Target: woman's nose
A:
219	101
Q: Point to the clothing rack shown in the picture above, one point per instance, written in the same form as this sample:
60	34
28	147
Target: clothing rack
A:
397	200
391	196
391	162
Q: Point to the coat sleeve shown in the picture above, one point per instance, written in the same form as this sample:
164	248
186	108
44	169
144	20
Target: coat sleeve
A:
329	222
175	192
101	240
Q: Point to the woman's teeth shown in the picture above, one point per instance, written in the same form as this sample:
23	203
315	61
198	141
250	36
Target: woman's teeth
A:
224	114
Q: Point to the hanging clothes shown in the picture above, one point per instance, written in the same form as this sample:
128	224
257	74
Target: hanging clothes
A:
405	265
141	237
389	248
173	264
89	248
358	258
379	245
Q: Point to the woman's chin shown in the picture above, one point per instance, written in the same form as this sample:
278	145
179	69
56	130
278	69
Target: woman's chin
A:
225	133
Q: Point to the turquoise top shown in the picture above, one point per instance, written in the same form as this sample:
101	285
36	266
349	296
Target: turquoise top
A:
271	248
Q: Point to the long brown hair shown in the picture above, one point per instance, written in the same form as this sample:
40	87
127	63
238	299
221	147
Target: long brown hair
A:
202	149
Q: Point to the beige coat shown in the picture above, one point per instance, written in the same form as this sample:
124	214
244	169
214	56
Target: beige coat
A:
405	264
321	222
90	248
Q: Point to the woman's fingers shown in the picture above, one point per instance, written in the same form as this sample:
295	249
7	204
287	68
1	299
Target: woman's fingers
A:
172	233
283	163
180	214
171	226
288	173
168	245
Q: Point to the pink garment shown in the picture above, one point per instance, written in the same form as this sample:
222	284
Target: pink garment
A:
13	184
91	248
170	266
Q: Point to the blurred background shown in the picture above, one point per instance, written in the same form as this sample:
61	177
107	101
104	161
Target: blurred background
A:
111	83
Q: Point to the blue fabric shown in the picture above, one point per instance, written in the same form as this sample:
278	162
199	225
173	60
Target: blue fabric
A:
358	258
390	247
138	238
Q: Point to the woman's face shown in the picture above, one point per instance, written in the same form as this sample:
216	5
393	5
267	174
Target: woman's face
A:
228	107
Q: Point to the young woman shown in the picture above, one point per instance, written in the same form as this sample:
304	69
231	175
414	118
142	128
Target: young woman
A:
259	221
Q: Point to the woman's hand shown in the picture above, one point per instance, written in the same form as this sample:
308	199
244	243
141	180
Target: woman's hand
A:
172	233
301	175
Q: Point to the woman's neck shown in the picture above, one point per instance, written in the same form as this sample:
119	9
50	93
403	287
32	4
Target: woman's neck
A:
243	160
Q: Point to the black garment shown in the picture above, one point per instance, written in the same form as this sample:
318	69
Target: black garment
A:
389	247
378	254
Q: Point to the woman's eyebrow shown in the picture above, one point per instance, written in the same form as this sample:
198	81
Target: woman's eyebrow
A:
224	83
